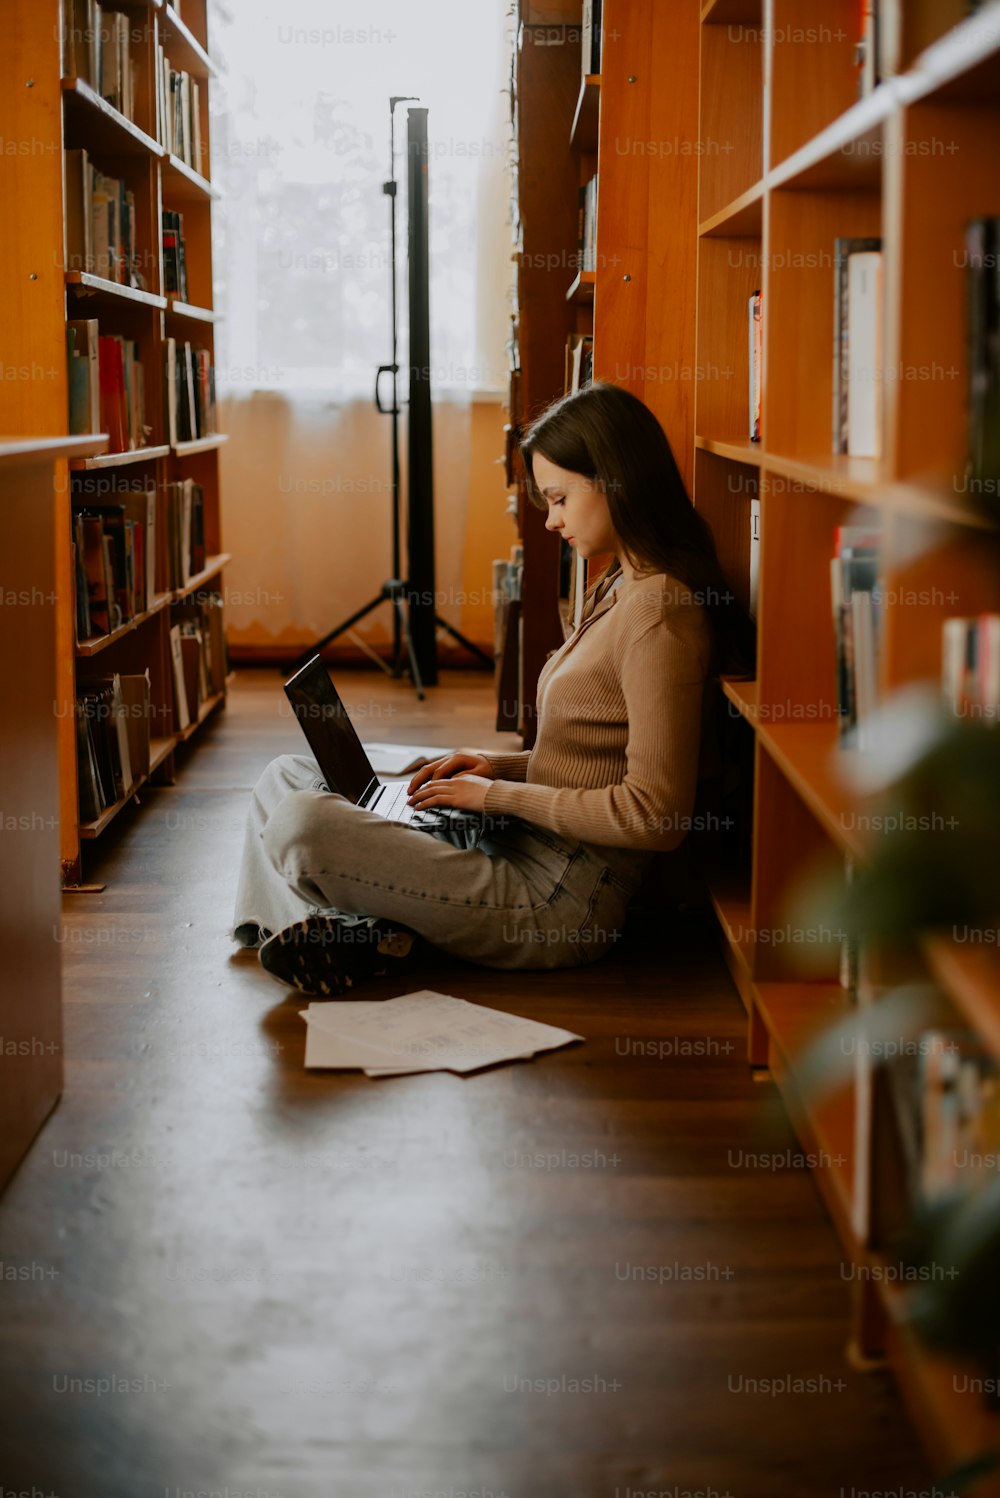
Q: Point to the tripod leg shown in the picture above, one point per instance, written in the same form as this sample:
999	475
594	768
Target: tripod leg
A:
320	645
414	668
472	649
366	649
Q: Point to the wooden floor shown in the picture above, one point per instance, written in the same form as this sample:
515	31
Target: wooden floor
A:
223	1274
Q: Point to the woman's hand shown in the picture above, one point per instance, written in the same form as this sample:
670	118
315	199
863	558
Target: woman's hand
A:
448	765
464	791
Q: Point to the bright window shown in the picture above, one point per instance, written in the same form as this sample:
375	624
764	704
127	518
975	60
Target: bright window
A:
300	150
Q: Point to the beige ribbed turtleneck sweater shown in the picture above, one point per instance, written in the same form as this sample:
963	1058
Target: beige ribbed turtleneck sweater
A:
615	760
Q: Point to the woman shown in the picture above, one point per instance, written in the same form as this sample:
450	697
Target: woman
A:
556	839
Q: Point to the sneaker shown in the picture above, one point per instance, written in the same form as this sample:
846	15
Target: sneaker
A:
328	955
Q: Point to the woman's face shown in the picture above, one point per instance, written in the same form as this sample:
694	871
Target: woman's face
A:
577	508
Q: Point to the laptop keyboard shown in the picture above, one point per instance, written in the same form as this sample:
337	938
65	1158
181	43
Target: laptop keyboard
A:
392	804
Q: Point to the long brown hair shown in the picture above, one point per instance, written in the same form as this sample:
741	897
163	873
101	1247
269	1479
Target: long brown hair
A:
609	436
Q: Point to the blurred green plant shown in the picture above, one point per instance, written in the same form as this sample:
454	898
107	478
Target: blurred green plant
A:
931	797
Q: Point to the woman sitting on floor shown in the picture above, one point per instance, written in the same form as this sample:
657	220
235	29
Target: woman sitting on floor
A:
554	841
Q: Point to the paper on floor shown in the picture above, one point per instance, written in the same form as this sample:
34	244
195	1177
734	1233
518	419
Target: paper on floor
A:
422	1031
401	759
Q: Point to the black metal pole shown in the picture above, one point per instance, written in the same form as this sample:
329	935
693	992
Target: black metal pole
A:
420	467
389	187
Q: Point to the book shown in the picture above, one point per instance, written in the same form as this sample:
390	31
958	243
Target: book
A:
189	384
843	248
579	363
958	1129
754	556
864	354
174	258
970	666
856	624
867	50
755	356
100	590
135	696
78	228
170	387
587	226
182	715
88	779
982	245
122	393
105	706
591	37
84	375
81	600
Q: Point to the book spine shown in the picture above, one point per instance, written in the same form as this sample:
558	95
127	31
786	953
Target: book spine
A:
754	580
864	379
755	349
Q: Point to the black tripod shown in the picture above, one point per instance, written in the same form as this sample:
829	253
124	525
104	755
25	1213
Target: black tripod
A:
395	590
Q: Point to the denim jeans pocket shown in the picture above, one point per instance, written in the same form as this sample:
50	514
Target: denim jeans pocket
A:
545	860
603	918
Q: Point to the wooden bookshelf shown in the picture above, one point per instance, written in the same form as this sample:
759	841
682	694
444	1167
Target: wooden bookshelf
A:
63	110
31	472
569	127
810	161
784	157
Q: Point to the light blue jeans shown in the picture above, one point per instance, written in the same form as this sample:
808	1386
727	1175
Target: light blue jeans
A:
493	890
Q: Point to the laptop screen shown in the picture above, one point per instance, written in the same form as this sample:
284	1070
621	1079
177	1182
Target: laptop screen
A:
323	719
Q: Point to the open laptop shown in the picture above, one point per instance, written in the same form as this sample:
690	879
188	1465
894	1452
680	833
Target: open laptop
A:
339	752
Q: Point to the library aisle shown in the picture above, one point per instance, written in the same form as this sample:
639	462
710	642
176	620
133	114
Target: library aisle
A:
589	1274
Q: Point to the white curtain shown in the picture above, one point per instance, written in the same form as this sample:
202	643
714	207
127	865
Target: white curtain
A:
300	150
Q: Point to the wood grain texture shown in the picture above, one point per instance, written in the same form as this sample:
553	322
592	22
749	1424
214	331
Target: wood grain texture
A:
30	1002
325	1284
731	149
814	74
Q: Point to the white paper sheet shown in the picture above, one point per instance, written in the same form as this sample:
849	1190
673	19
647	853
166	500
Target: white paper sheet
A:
423	1031
401	759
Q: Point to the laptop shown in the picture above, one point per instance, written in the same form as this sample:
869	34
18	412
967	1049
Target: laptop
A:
339	752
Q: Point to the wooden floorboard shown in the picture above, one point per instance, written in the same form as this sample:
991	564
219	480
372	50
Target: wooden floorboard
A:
296	1284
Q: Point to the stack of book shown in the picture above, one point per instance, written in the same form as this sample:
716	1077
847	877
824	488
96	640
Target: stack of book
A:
178	112
185	522
946	1110
100	223
587	226
507	580
174	257
114	554
855	597
591	36
198	652
857	347
97	48
190	389
579	370
112	739
123	393
970	666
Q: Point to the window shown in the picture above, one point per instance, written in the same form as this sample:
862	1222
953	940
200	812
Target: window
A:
300	151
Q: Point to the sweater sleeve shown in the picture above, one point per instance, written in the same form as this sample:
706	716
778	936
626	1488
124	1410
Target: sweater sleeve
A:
663	673
509	766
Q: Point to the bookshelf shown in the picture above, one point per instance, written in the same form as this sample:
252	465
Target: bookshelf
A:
809	162
570	125
57	105
30	996
766	155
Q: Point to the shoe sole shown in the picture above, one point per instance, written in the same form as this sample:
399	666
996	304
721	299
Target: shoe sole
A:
315	956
